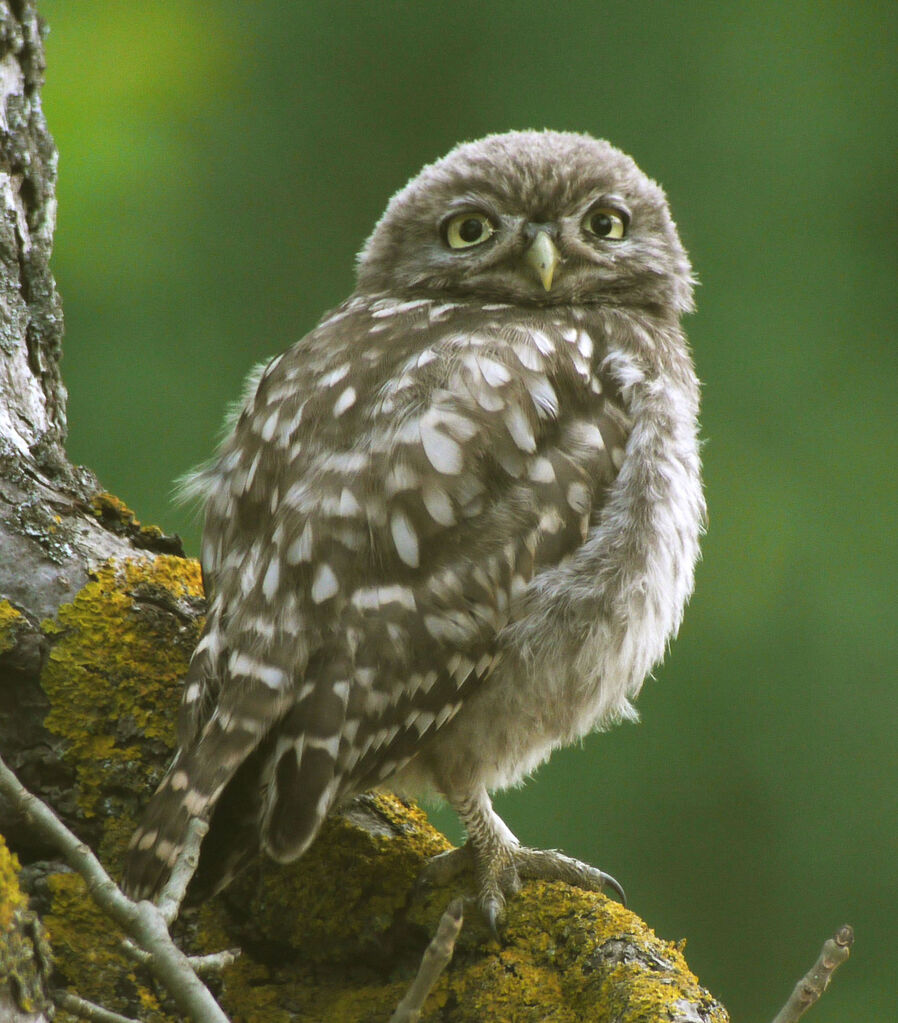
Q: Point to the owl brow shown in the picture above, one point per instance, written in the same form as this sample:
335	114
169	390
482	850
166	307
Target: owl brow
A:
611	199
474	200
570	198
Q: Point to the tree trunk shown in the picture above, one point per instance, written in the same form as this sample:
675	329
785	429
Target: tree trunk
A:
98	617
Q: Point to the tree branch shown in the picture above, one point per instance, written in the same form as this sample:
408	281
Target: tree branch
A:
435	960
812	985
87	1010
141	921
172	895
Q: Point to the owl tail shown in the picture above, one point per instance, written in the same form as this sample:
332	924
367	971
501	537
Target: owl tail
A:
189	790
233	838
303	781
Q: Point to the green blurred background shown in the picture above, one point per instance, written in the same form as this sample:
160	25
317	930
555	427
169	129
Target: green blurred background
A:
220	163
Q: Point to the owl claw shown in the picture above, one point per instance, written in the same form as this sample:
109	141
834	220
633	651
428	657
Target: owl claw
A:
552	865
615	886
502	875
492	911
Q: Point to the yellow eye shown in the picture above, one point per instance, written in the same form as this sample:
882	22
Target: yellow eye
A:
467	229
605	222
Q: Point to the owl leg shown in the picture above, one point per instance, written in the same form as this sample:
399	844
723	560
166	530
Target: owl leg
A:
501	863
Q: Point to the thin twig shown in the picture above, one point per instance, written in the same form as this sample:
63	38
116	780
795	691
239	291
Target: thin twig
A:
172	895
78	1006
142	921
812	985
436	957
215	962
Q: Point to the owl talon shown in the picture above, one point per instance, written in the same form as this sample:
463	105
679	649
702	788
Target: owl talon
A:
492	911
501	863
552	865
503	876
615	886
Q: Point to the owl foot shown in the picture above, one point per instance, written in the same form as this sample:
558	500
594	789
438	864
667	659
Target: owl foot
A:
502	875
501	864
552	865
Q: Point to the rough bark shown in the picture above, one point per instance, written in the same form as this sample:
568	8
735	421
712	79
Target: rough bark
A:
98	616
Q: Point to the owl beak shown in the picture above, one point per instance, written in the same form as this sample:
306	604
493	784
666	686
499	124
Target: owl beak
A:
543	257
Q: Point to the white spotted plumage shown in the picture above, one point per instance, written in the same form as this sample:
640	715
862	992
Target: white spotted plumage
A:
455	525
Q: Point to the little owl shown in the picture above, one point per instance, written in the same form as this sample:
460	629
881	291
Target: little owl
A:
453	527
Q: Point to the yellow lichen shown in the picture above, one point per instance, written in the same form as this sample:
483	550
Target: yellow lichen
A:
118	652
369	877
114	671
24	954
88	951
11	622
116	515
11	897
106	505
348	925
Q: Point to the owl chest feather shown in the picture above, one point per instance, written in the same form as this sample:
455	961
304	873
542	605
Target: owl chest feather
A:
592	627
488	525
359	456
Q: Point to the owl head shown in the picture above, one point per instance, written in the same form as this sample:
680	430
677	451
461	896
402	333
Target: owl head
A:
531	217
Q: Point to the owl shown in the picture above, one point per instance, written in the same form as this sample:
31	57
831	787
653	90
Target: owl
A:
455	526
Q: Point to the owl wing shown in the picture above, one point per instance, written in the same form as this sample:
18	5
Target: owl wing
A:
397	481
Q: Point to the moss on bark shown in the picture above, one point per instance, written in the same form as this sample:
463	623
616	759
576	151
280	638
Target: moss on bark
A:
24	952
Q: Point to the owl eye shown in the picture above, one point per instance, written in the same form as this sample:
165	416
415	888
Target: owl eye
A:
605	222
467	229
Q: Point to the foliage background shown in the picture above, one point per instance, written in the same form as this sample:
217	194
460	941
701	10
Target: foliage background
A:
221	163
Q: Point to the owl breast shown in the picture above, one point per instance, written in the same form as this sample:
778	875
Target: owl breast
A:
593	623
484	521
481	526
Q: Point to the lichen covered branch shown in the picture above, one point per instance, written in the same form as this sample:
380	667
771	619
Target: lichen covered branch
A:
142	922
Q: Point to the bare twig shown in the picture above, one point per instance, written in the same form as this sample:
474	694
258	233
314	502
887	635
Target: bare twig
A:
142	921
215	962
436	957
87	1010
172	895
812	985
